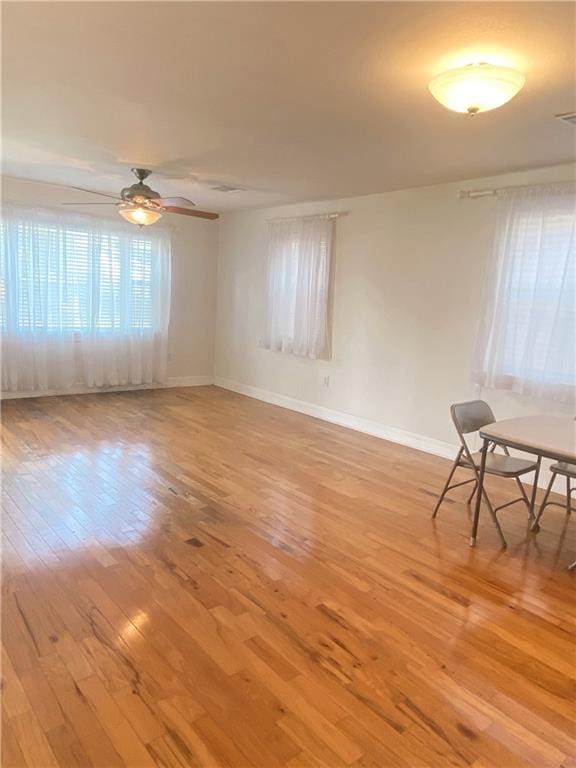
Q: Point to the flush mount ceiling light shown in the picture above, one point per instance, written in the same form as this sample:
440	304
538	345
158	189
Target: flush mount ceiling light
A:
137	214
476	87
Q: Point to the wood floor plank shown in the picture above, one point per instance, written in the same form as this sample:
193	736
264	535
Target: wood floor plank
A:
10	754
32	740
195	578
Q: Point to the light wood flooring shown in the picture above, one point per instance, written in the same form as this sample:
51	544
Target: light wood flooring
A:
195	578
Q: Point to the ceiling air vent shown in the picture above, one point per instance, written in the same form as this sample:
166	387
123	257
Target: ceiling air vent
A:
227	188
567	117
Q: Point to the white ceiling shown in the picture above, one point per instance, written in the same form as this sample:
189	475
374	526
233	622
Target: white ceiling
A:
294	101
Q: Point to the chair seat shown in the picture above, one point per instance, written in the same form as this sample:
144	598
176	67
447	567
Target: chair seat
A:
502	465
563	468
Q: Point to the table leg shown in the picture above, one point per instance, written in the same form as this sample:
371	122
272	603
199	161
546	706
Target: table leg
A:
533	496
479	493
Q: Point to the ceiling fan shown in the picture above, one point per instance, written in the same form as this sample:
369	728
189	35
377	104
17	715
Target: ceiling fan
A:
141	205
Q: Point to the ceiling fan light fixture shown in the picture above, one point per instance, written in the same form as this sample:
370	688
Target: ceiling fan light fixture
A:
139	215
476	87
141	205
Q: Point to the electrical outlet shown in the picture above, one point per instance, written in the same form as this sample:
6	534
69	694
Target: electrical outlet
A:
326	381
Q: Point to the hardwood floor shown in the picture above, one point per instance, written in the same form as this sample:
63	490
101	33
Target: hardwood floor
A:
194	578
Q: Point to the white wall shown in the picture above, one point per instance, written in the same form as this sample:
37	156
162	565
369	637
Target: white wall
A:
193	306
194	265
408	275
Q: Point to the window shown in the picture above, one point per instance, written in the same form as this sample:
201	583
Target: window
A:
82	301
527	341
298	286
74	279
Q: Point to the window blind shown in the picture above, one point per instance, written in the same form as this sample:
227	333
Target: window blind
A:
69	279
82	301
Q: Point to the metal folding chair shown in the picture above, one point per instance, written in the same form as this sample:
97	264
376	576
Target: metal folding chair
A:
569	472
468	418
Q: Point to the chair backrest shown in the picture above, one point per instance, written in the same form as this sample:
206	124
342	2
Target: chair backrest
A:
471	416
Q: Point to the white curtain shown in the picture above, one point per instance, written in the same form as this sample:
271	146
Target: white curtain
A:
527	340
83	301
298	286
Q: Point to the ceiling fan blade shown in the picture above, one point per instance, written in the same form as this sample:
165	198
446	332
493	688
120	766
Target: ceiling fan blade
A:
91	192
95	203
192	212
175	202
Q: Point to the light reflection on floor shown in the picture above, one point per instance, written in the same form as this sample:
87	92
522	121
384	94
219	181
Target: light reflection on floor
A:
80	499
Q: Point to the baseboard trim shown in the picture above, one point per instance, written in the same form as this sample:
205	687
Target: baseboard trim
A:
368	426
358	423
190	381
173	381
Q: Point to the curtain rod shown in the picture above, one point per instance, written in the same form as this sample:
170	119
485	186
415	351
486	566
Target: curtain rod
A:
336	215
471	194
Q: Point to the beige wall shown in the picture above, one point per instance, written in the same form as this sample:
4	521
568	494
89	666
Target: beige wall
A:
194	258
408	275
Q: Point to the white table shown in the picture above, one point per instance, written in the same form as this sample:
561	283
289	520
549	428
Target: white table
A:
552	437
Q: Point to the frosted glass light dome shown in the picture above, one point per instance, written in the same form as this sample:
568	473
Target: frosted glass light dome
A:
139	215
476	87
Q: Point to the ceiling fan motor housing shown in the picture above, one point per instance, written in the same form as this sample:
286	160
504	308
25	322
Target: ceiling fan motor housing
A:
138	193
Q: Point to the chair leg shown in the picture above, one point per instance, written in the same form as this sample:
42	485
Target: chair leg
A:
445	489
494	518
568	499
522	489
525	497
473	493
536	524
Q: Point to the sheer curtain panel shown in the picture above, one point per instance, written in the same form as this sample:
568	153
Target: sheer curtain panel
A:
527	340
84	302
298	286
